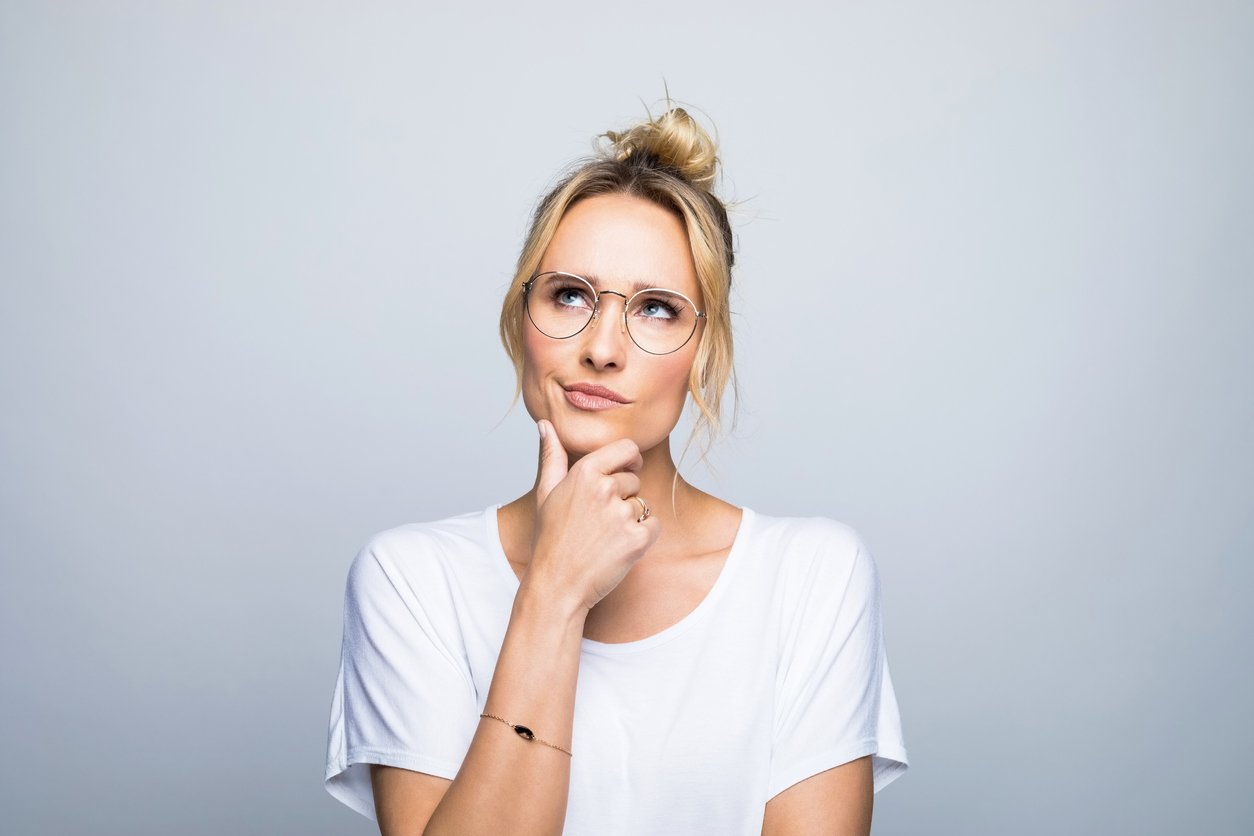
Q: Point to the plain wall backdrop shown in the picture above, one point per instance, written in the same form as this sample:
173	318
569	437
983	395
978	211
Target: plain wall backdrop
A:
993	305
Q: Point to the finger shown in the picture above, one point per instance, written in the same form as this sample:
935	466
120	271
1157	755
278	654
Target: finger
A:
626	484
553	461
635	508
652	527
616	456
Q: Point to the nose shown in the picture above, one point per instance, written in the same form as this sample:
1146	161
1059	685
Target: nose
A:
606	346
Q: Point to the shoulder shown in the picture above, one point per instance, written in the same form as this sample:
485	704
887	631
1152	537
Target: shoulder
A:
815	554
411	555
808	539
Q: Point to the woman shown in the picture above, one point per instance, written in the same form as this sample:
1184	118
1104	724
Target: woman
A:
730	665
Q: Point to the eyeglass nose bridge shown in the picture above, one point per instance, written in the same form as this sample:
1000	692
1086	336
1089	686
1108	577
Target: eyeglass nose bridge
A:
596	306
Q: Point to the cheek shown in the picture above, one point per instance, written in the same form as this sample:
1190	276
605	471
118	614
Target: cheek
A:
673	379
530	363
537	364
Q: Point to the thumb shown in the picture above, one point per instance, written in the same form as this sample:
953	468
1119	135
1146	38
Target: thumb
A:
553	461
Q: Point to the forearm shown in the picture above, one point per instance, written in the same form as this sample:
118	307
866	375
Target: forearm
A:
506	783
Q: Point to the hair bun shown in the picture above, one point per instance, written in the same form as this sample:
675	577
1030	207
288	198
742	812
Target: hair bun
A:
676	141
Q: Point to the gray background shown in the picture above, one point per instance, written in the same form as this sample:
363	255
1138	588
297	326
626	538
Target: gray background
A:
993	309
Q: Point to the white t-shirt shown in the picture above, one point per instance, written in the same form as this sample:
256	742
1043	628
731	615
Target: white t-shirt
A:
779	673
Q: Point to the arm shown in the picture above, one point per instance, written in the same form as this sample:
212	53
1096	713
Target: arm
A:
586	540
504	781
837	802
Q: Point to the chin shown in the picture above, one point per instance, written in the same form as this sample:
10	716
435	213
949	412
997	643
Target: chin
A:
583	437
582	434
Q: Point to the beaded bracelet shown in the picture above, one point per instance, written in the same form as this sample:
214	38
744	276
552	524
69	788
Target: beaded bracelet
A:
526	733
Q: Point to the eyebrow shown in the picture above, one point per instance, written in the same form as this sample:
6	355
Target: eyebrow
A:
597	283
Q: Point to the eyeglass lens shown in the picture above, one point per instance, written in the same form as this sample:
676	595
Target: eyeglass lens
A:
659	321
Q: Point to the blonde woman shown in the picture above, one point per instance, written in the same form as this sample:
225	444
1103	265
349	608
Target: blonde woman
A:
617	651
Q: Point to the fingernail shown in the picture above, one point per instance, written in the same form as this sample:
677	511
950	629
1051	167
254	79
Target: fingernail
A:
540	427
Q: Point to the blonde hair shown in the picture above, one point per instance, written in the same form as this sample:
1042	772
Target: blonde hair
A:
673	162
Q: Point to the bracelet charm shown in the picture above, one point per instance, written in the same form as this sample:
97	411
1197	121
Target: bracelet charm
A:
526	733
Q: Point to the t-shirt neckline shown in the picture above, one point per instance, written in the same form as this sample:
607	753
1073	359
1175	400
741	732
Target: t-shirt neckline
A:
618	648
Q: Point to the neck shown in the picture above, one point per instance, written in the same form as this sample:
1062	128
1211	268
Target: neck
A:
661	487
684	520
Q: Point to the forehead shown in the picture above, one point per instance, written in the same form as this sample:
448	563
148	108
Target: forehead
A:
624	243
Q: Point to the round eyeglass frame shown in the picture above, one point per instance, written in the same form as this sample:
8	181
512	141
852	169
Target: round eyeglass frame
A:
596	309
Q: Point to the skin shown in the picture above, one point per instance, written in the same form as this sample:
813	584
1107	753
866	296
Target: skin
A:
619	240
586	567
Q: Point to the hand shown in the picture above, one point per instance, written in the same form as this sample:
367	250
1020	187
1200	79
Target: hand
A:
586	538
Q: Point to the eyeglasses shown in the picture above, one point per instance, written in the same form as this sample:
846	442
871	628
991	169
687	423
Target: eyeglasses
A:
561	305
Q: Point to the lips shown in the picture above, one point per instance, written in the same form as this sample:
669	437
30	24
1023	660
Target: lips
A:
587	396
596	391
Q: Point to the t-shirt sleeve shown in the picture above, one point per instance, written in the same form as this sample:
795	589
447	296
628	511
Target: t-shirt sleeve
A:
403	696
834	696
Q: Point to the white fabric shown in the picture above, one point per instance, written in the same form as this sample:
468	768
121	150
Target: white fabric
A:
779	674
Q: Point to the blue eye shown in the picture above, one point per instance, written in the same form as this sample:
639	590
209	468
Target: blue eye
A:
571	297
657	309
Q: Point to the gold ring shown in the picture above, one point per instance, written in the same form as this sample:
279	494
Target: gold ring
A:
644	510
